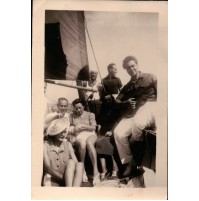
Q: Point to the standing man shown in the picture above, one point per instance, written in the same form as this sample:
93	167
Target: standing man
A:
136	100
93	84
112	84
111	87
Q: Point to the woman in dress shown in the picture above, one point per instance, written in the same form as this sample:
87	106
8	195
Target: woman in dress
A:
61	167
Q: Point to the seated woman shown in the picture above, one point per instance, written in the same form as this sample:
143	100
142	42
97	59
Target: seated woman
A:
61	167
84	129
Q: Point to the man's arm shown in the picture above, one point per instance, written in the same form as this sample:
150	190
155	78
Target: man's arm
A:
119	84
125	104
101	90
49	118
149	93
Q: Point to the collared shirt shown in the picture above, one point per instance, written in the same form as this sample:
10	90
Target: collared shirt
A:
58	156
112	85
143	89
87	118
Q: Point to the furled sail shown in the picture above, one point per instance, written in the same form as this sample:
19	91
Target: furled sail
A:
65	46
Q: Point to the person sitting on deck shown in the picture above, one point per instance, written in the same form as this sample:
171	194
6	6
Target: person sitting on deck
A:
84	129
91	98
61	167
62	105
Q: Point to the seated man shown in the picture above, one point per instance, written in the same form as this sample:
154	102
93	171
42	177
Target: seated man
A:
136	100
62	105
84	129
90	97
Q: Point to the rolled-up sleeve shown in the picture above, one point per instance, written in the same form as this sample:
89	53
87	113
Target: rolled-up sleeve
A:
92	119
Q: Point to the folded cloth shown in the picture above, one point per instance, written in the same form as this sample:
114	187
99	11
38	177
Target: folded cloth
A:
103	145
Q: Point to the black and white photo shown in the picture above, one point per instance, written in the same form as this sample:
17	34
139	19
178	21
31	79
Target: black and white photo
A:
100	119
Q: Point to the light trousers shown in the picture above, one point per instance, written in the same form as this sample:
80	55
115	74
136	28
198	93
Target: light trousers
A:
134	127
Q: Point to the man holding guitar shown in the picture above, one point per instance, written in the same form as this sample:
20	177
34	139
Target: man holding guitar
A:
136	101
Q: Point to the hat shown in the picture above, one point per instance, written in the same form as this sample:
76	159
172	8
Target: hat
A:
93	70
57	126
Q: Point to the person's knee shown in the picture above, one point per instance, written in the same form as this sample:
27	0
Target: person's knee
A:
137	136
118	133
71	162
137	132
79	166
81	145
89	144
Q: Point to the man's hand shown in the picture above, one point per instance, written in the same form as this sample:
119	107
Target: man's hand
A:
108	133
60	115
81	83
132	102
71	130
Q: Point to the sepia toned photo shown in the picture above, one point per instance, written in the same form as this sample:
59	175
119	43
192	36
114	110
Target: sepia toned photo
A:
99	100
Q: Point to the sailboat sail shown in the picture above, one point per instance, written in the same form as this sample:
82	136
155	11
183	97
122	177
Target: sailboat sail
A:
65	46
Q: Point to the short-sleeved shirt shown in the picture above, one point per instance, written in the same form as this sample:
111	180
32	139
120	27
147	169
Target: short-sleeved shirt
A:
58	156
87	118
112	85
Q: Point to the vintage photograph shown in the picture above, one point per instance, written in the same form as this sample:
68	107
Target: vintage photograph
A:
103	114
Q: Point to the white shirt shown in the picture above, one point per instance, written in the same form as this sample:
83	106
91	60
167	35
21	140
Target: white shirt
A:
95	94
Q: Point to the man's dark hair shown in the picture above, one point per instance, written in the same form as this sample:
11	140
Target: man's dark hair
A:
110	66
129	58
76	101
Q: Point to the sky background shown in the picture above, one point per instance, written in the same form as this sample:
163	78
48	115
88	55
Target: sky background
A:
115	35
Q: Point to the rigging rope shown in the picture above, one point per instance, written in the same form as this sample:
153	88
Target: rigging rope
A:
94	54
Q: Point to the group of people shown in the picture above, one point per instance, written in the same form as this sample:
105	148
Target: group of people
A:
120	112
